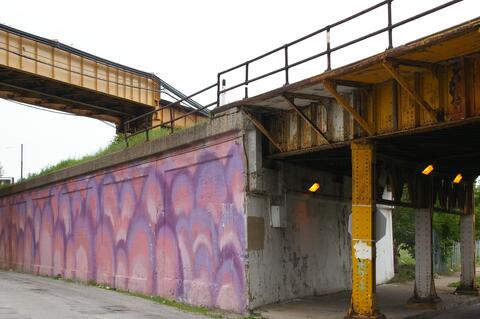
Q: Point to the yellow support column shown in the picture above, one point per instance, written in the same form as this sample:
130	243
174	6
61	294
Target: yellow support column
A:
363	239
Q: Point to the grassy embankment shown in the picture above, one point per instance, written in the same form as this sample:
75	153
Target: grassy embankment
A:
116	145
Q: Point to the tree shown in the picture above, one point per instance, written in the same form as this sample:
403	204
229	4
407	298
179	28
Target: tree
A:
445	226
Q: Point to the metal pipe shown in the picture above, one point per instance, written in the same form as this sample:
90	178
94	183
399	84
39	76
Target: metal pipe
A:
360	13
172	114
286	64
246	79
21	161
175	103
329	53
218	89
169	122
424	13
146	127
390	30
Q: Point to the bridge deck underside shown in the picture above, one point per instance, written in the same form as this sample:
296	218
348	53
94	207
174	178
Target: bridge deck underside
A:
452	150
38	90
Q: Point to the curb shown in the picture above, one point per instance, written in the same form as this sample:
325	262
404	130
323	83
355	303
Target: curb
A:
432	313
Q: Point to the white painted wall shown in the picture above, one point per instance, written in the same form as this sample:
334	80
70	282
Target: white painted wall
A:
385	262
312	255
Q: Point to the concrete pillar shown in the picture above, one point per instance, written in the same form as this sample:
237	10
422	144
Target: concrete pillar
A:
467	245
363	239
425	295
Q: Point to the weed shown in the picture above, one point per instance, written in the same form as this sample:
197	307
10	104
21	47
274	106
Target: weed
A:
456	284
116	145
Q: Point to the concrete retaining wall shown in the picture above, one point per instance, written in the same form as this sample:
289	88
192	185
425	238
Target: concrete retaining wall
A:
172	224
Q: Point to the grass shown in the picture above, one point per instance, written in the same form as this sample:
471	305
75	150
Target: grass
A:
212	313
116	145
406	268
456	284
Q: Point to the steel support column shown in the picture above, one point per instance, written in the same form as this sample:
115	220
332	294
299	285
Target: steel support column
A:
425	295
467	245
363	240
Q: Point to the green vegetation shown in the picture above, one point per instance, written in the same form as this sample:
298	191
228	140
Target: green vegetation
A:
116	145
445	226
405	268
212	313
456	284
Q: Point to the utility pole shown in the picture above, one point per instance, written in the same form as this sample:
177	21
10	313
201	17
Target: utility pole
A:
21	161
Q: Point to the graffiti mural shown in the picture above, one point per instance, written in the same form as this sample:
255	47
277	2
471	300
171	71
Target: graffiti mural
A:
173	227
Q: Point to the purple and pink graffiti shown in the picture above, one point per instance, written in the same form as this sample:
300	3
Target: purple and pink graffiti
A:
173	227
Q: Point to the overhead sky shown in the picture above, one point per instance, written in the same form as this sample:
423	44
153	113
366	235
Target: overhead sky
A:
186	43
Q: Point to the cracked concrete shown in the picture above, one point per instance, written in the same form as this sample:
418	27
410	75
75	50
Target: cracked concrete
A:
25	296
391	300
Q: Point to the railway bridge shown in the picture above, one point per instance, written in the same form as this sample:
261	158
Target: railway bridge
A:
242	208
47	73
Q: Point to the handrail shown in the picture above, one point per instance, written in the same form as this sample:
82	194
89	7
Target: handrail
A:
287	66
390	27
174	103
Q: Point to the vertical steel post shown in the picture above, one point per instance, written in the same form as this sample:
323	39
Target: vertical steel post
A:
329	59
468	284
146	127
246	79
21	161
425	295
390	31
363	230
218	89
172	114
286	64
125	133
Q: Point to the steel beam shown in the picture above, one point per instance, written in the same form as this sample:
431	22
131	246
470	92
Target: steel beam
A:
388	66
468	284
363	239
262	129
331	88
306	96
414	63
305	118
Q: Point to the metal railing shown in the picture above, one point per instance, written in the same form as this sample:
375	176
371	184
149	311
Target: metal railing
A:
287	65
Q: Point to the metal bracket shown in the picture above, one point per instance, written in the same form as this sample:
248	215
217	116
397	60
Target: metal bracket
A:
404	84
290	102
262	129
331	88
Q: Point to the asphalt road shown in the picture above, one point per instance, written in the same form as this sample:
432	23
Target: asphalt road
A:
31	297
471	312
